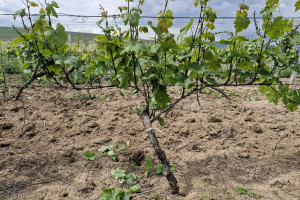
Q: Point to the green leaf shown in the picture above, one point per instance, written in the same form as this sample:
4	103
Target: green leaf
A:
149	78
277	27
159	169
131	179
143	29
149	164
64	60
101	39
113	155
118	173
26	65
241	21
292	107
161	97
188	83
135	189
200	2
104	149
199	68
154	49
161	121
123	79
90	156
185	29
210	55
60	37
172	166
125	18
33	4
114	194
47	52
20	13
244	65
297	5
84	56
54	4
263	89
134	19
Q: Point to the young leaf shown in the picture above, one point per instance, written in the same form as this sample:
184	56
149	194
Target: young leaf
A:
185	29
104	149
125	18
277	27
172	166
113	155
149	164
131	179
90	156
114	194
241	23
118	173
134	19
161	121
297	5
135	189
159	169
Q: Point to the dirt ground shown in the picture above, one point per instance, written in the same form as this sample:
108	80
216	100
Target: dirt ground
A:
245	148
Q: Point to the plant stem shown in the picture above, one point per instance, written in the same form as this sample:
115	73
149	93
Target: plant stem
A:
160	153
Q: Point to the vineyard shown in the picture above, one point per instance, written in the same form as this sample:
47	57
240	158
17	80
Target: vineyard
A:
176	117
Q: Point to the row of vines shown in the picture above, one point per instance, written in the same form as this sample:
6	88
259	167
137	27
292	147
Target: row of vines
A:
191	61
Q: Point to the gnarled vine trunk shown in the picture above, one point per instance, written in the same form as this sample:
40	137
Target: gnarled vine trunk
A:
160	153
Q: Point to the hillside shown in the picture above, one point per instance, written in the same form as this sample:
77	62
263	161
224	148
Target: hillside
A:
8	34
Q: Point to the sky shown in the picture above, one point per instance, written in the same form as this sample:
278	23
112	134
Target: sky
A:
180	8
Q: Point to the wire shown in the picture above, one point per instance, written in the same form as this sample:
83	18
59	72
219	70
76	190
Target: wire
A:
143	17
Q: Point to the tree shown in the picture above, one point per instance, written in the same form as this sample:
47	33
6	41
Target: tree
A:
190	63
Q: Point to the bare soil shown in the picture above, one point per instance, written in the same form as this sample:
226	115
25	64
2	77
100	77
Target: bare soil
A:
221	148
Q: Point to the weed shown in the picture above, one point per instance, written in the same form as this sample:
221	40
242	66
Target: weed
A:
155	196
114	194
275	192
106	98
90	156
120	174
82	96
254	195
34	195
124	146
159	170
3	188
110	152
208	180
12	95
227	194
149	166
206	196
137	110
253	99
241	190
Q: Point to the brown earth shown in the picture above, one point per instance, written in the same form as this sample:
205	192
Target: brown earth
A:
217	146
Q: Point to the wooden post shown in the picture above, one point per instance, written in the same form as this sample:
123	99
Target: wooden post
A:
91	44
70	42
293	79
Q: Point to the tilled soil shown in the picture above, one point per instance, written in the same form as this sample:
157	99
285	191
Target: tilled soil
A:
240	149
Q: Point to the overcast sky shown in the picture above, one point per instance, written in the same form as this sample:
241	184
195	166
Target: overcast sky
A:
226	8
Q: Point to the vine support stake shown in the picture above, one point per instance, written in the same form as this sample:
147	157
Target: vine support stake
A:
293	79
160	153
